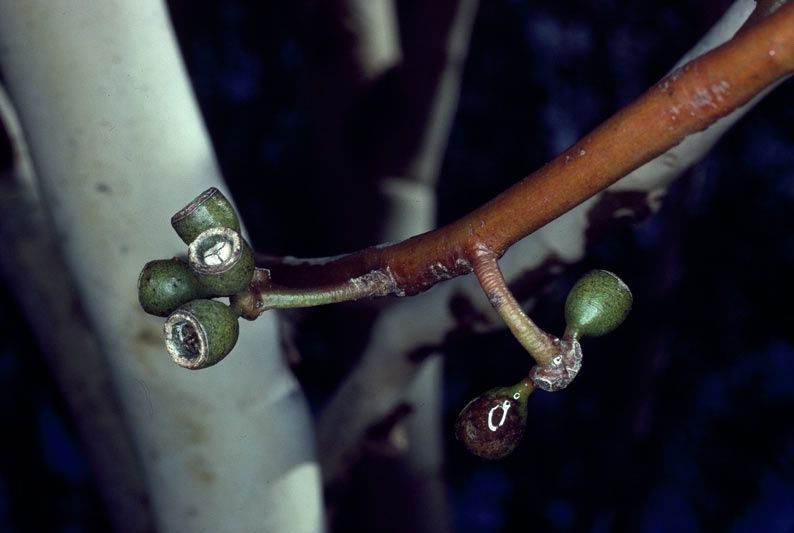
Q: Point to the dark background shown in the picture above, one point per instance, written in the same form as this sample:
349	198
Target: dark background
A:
681	420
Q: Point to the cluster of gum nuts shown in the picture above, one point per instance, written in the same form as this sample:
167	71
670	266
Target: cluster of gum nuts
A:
492	425
200	331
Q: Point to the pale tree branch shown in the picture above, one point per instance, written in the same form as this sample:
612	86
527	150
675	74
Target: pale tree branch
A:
117	140
36	271
419	95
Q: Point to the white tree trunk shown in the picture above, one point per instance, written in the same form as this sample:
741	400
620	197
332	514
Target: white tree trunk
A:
118	144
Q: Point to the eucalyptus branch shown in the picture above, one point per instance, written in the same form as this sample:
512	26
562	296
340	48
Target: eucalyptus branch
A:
386	367
686	101
201	331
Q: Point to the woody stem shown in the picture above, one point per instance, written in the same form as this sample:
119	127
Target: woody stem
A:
688	100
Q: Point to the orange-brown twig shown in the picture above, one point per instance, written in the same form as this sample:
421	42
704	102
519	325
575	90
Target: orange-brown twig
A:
684	102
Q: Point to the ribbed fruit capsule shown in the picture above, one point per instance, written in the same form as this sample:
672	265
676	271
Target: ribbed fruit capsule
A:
491	425
210	209
201	333
597	304
165	284
222	260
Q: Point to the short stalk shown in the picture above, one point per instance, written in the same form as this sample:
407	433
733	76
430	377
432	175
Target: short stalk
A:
263	295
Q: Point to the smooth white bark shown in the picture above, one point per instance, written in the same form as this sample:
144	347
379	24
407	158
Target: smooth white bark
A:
377	40
412	466
118	144
36	272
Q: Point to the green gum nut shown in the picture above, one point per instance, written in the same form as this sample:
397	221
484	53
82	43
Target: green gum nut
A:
165	284
222	260
597	304
210	209
491	425
200	333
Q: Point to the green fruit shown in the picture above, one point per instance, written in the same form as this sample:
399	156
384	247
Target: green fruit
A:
597	304
201	333
222	260
491	425
165	284
210	209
